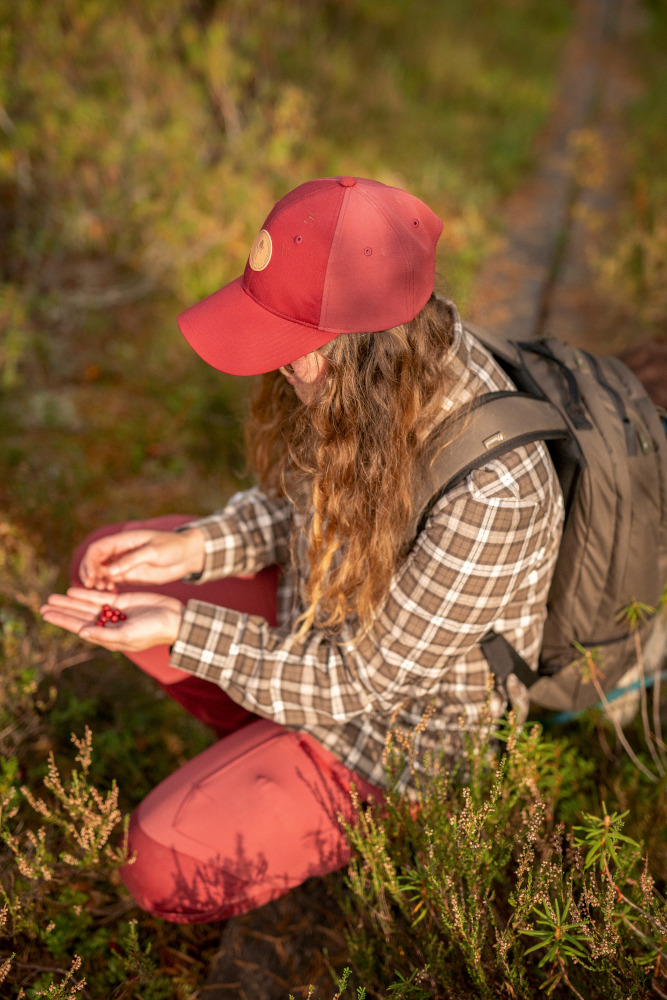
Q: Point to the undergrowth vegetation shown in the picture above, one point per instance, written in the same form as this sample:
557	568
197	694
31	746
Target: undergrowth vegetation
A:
514	874
142	147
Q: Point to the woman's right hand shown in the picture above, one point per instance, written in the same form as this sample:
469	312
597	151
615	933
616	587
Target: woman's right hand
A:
142	556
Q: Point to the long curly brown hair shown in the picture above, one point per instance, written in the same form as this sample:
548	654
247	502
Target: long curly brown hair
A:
347	459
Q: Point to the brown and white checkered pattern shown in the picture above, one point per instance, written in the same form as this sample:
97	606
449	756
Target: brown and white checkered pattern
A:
485	558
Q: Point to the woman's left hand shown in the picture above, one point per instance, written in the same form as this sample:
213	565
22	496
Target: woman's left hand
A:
151	619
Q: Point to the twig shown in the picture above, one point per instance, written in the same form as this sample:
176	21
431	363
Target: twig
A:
567	980
657	723
656	989
619	732
644	705
52	968
8	730
72	661
640	934
109	916
42	968
647	916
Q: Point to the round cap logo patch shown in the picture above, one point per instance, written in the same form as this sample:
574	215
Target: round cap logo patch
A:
261	250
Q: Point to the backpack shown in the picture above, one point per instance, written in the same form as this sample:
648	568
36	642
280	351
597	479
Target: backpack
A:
608	446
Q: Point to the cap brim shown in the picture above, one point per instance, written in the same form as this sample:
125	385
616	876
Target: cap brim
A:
234	334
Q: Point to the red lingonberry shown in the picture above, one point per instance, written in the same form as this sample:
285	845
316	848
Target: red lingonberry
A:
109	614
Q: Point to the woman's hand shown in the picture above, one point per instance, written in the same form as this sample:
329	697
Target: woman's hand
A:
151	619
142	556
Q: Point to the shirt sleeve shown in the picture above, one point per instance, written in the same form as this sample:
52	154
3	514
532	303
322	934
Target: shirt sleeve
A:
481	542
251	532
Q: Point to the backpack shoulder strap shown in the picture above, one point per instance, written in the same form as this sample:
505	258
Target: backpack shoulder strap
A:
500	346
496	423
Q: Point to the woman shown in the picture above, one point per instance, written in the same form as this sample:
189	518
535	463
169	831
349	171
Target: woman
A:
304	621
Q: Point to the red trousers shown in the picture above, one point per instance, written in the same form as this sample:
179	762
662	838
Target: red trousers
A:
251	817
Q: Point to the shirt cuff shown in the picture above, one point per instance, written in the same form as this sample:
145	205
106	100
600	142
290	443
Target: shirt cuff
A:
215	537
205	640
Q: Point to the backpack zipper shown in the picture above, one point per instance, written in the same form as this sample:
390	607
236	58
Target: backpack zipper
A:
628	427
575	409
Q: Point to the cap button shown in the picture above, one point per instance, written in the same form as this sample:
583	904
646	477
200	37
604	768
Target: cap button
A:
347	182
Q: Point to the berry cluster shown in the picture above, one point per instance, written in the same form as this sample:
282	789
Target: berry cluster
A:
109	614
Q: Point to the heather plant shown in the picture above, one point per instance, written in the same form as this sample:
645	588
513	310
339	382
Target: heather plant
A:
342	986
494	881
31	658
58	890
55	843
67	928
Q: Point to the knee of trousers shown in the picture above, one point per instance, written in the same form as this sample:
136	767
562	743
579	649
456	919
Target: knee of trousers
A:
250	818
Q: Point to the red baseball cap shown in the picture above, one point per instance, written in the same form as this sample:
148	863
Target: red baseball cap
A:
335	255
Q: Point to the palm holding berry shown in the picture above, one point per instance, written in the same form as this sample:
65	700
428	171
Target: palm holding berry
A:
143	620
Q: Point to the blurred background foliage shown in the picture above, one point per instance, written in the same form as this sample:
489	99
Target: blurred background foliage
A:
142	147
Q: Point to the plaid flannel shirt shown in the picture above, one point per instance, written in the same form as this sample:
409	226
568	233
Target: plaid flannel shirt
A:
484	558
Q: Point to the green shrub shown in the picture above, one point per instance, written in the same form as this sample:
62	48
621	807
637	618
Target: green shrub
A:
65	919
494	881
